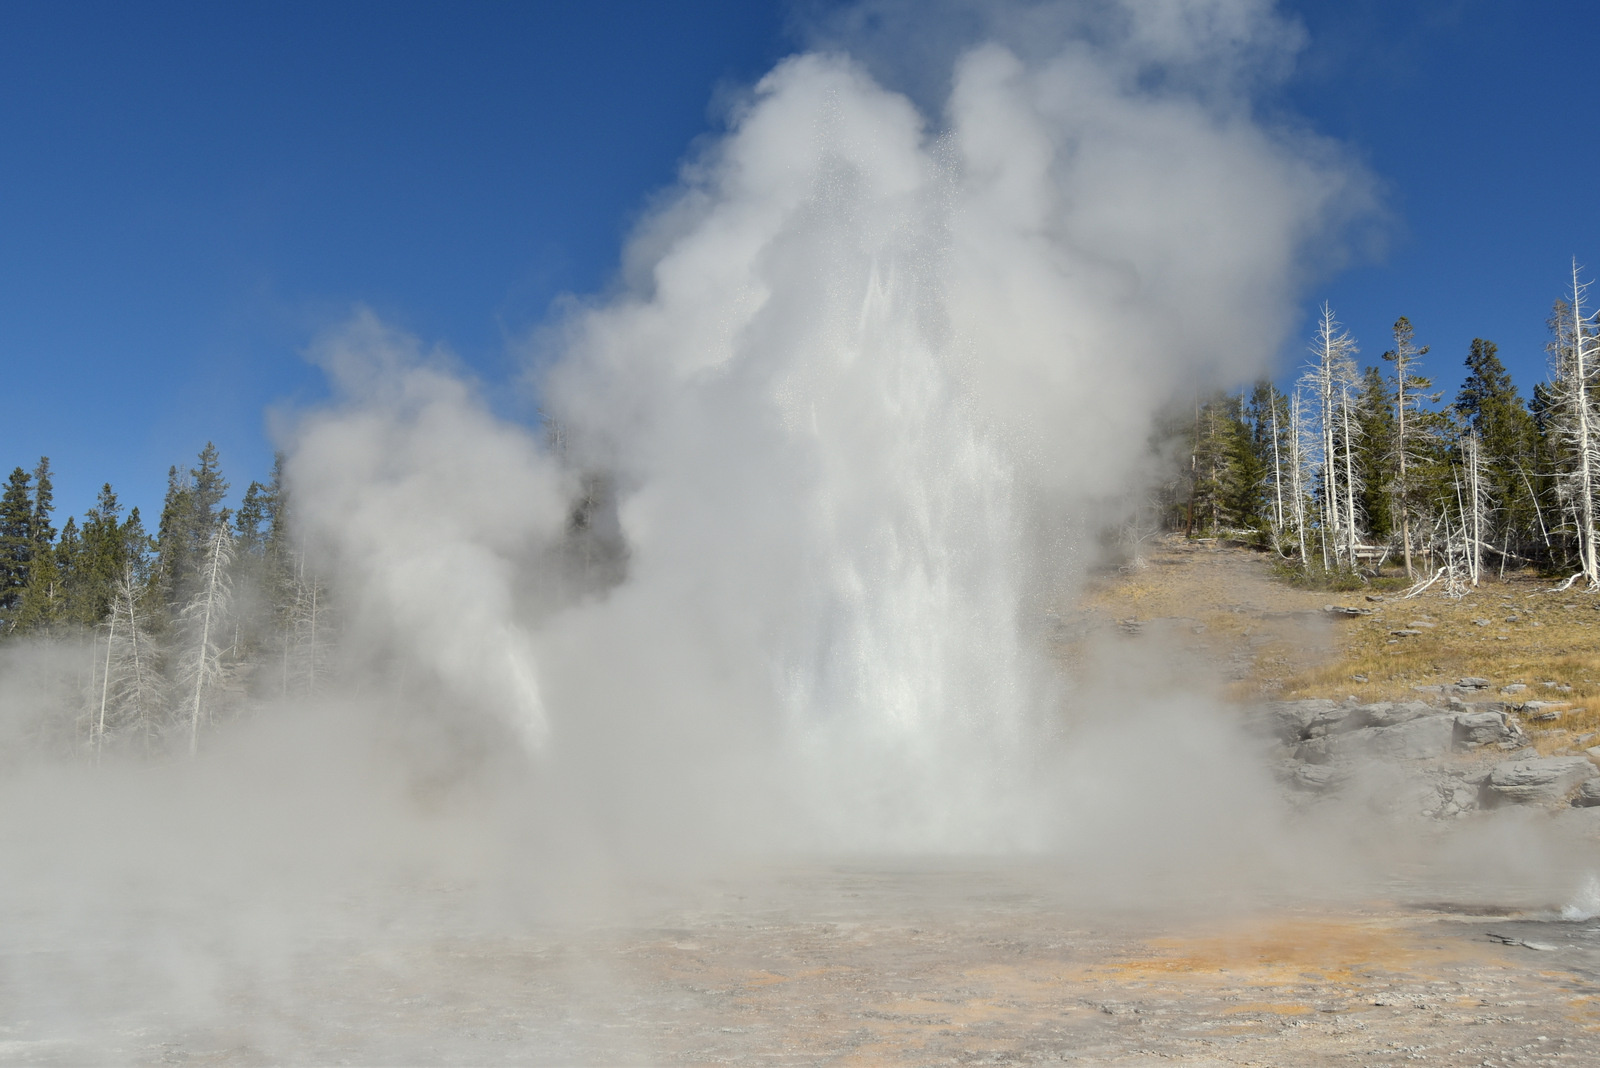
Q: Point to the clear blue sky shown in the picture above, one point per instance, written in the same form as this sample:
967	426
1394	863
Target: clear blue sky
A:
189	191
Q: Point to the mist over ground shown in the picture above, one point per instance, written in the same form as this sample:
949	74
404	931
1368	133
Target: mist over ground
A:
877	379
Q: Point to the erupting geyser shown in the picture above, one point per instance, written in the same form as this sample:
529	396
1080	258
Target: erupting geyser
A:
861	357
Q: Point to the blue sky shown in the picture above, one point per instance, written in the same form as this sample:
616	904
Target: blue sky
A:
188	192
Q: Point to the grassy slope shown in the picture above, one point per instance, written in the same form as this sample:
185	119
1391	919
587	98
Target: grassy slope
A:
1269	638
1511	631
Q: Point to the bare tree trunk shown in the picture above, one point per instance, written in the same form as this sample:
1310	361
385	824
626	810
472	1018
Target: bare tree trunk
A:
209	608
1475	488
1332	350
1297	468
1349	477
105	686
1538	513
1584	419
1401	484
1277	466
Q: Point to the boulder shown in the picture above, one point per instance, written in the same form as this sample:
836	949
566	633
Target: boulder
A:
1387	714
1473	729
1473	682
1588	794
1317	777
1426	736
1540	780
1331	720
1288	720
1313	751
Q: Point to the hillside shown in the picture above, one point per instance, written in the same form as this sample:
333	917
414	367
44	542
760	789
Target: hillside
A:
1230	618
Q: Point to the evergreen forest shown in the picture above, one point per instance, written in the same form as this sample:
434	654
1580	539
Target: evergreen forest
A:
177	629
1361	468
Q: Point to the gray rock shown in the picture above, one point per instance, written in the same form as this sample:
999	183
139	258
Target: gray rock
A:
1588	794
1288	720
1540	780
1473	682
1385	714
1316	777
1427	736
1473	729
1313	751
1369	715
1513	688
1329	720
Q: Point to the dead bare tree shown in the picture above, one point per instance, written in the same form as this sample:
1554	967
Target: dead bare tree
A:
1330	376
203	618
1298	466
1574	361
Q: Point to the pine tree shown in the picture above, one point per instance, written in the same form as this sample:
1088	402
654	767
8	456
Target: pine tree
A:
1207	462
1269	414
16	546
44	602
173	549
1244	497
43	502
1489	403
254	510
189	516
102	557
1376	421
68	555
1410	392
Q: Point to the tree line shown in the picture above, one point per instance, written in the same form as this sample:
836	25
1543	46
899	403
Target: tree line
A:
185	625
1356	468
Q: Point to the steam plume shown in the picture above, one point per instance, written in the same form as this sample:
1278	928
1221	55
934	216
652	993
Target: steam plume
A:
861	355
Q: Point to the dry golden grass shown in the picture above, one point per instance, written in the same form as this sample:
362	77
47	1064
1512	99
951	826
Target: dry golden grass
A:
1509	632
1226	606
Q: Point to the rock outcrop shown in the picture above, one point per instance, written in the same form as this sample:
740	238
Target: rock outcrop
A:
1540	780
1329	747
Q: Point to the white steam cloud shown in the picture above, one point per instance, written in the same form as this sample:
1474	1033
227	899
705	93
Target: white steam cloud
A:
862	356
426	508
